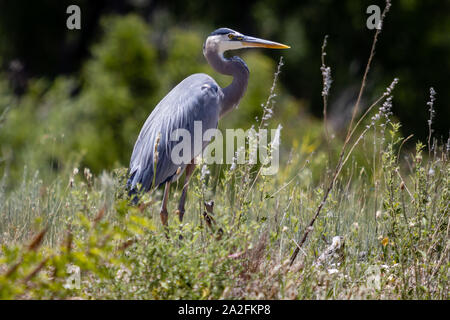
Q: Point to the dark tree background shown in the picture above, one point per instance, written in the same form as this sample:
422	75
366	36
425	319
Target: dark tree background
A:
415	45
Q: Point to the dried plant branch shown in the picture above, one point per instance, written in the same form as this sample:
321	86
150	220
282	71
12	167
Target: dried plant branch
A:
326	75
37	240
430	104
36	270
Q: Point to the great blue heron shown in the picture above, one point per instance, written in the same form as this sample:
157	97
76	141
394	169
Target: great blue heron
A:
196	98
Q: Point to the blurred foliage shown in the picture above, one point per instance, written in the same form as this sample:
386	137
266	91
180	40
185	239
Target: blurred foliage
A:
80	97
95	120
414	45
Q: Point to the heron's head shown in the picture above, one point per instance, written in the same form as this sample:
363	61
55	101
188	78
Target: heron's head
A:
225	39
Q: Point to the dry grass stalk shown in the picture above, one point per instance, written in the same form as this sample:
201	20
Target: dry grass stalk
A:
13	268
340	163
69	240
99	216
209	219
126	244
37	240
36	270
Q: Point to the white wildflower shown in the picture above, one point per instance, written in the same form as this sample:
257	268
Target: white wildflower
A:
333	271
431	104
378	214
326	71
205	172
391	87
326	75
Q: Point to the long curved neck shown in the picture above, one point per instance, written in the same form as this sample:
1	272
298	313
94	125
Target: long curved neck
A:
235	67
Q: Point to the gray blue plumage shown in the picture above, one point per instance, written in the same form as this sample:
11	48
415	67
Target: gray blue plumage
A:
196	98
221	31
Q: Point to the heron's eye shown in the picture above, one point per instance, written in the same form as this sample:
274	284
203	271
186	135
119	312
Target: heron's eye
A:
230	36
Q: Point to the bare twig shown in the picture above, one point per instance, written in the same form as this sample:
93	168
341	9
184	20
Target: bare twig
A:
36	270
37	240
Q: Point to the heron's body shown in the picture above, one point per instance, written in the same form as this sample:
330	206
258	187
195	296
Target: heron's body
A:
196	98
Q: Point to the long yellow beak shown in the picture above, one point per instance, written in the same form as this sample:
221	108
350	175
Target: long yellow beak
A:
251	42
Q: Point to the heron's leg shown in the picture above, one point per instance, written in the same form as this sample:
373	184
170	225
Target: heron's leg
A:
189	170
164	214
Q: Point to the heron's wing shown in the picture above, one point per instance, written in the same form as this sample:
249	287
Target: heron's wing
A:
196	98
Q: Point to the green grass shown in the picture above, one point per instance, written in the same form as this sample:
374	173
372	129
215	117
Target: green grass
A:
392	215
